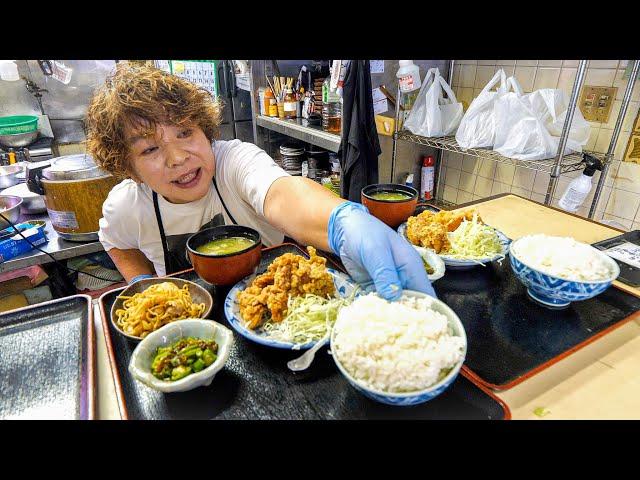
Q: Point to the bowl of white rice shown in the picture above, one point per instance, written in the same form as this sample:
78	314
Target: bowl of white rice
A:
561	270
399	353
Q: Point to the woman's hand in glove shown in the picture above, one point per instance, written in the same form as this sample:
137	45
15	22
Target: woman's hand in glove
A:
374	254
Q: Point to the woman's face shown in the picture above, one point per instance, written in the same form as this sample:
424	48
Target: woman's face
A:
175	162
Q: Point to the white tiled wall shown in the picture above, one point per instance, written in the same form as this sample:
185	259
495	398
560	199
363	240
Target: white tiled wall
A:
467	178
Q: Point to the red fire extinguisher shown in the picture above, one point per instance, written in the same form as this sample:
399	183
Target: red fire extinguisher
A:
426	183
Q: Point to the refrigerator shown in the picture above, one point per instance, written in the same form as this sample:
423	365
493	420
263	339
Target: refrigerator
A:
224	80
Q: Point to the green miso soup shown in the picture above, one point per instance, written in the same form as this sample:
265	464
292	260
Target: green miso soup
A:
225	246
392	196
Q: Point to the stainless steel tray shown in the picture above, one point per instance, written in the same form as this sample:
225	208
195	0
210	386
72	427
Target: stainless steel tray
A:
47	354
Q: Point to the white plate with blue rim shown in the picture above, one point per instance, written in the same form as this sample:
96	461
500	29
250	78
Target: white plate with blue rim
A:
345	287
463	264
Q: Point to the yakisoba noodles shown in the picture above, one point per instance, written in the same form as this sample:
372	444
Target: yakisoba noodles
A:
156	306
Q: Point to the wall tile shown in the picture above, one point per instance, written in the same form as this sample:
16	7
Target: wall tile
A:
623	63
454	160
483	187
628	177
521	191
549	63
570	63
613	116
464	197
541	183
467	182
499	188
526	77
527	63
467	62
477	197
468	75
455	81
524	178
487	62
450	194
600	77
469	164
505	173
567	77
623	204
537	197
506	62
508	69
486	168
466	95
483	75
453	178
593	137
603	63
604	139
621	83
612	174
630	117
616	221
547	78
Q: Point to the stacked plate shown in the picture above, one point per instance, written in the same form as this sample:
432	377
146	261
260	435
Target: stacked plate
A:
292	157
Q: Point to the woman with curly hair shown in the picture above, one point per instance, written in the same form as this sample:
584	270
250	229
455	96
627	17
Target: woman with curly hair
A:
158	133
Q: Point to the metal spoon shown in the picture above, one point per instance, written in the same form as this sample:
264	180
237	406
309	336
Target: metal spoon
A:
304	361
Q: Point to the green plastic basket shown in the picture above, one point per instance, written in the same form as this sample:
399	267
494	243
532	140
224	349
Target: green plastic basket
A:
17	124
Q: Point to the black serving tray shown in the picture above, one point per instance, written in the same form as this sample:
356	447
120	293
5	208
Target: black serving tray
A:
510	337
256	383
47	356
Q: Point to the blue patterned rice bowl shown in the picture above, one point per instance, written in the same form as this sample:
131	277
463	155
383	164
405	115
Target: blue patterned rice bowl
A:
555	292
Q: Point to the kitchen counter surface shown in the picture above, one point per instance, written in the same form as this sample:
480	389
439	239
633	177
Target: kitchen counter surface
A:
599	381
60	249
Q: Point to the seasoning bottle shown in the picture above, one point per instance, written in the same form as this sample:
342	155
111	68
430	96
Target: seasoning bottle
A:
271	106
290	102
12	156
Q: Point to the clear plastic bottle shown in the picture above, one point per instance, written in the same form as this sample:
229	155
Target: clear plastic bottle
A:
331	109
409	82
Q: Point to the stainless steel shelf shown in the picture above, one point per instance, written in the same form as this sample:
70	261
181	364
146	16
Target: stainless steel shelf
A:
300	129
570	163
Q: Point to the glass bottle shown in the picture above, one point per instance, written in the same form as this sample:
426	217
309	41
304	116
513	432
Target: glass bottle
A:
290	104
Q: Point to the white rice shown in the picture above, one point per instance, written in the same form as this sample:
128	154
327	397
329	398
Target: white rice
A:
562	257
395	347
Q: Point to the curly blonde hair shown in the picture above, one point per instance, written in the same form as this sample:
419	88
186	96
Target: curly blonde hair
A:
140	97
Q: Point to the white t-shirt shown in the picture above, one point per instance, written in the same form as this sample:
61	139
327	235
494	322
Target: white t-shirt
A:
244	174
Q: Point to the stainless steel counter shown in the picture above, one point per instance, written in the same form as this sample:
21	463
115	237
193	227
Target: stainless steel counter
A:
56	246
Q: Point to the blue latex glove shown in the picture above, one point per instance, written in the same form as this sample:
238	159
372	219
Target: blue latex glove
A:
374	254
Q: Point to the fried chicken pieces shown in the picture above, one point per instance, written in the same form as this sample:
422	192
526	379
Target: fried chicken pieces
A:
430	229
289	274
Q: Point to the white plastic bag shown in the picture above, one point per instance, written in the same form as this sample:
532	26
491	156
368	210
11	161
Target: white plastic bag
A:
552	106
528	127
433	115
477	128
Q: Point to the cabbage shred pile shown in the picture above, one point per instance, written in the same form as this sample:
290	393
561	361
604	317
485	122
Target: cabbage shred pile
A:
308	319
473	240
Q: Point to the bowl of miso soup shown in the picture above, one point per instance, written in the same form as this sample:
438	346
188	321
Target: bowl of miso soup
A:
390	202
226	254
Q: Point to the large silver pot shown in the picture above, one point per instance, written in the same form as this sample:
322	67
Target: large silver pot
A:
19	139
9	208
10	175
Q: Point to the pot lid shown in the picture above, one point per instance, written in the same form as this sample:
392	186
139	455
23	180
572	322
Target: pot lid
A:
73	167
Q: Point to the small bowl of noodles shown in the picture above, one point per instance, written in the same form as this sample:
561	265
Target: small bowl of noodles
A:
149	304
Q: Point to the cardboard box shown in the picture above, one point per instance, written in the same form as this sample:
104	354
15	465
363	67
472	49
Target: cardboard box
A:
17	245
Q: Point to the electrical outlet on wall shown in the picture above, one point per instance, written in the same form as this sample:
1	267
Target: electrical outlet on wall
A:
596	103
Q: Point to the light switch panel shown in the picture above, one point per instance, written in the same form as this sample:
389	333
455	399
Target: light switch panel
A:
596	103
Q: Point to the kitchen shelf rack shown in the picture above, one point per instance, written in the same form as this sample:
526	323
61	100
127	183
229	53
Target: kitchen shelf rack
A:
555	167
300	130
570	163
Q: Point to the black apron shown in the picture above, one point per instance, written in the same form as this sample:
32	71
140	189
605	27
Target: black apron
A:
175	246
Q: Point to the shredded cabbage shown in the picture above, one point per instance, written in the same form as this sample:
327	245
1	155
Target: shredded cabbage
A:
308	319
473	240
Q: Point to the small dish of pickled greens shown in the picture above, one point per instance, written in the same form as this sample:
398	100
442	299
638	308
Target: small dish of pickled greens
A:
182	355
186	356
